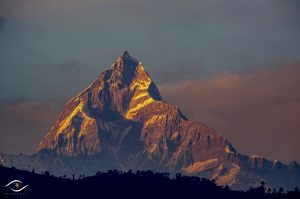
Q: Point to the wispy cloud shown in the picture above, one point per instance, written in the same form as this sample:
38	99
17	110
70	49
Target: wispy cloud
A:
23	123
207	36
258	111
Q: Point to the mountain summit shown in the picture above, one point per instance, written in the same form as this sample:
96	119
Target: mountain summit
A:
118	94
122	114
121	122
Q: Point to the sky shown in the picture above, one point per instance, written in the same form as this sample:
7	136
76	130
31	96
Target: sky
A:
238	61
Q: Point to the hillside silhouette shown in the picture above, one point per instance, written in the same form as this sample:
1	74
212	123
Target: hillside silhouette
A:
117	184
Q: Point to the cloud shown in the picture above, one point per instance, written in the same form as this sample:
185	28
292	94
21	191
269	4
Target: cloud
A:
52	48
175	72
206	35
258	111
23	123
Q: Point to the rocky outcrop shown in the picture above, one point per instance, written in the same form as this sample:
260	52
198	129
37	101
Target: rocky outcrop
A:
122	114
121	122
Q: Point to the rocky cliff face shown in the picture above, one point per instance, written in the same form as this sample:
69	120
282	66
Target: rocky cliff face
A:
121	121
122	114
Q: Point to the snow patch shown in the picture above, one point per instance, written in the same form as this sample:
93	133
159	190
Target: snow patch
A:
201	166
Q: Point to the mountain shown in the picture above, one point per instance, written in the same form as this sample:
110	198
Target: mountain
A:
123	115
121	121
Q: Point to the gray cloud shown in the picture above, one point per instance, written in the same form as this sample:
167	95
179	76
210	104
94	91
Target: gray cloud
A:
211	36
23	123
258	111
175	72
52	48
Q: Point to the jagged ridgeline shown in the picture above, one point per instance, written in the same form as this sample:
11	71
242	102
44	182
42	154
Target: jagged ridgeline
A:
121	122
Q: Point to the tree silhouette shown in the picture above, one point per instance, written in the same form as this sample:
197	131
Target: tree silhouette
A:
47	173
142	184
280	191
227	187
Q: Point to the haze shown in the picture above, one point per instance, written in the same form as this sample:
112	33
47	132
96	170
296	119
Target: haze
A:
231	64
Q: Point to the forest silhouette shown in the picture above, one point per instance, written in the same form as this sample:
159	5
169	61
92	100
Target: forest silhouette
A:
129	184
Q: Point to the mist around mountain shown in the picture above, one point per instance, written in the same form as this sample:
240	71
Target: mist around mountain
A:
122	122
